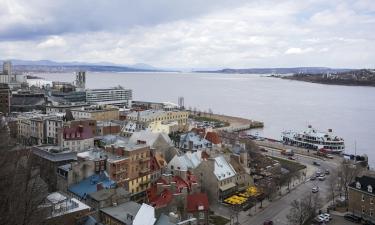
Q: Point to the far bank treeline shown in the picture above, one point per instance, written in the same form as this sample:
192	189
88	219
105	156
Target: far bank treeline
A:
363	77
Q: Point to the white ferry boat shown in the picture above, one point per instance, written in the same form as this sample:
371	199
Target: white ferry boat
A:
315	140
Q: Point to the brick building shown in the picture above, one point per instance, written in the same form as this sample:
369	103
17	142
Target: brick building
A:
362	197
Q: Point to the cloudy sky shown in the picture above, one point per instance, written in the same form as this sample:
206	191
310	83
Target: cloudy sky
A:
191	33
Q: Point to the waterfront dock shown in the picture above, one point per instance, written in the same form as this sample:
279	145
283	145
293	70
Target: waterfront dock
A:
234	124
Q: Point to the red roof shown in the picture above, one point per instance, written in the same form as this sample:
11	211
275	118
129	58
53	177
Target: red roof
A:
77	133
197	202
213	137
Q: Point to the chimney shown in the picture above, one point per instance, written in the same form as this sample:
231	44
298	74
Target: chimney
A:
99	186
330	130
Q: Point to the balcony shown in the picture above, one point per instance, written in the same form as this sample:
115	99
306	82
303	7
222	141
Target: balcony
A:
144	171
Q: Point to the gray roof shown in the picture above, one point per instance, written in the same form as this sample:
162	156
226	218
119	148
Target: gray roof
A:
107	193
125	212
54	153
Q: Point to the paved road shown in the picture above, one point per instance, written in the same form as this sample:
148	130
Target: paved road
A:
278	210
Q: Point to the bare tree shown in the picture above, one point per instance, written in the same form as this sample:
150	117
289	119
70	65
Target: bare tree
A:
303	210
347	174
22	191
333	184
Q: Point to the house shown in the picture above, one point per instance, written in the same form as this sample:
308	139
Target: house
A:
198	207
145	215
123	214
362	197
218	178
107	127
193	142
189	160
158	166
78	138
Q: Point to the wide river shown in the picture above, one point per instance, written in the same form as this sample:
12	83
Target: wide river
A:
280	104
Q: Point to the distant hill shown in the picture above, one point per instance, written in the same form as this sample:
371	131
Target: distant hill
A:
52	66
363	77
292	70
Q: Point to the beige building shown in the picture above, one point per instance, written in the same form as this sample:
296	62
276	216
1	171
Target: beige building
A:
148	116
96	113
362	198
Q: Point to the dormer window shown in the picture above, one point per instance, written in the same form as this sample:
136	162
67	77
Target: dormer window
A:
358	185
369	188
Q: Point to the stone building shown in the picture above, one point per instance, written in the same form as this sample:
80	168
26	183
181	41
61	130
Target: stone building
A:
362	198
96	113
5	95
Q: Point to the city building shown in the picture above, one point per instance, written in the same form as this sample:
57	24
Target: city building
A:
26	102
5	95
110	96
61	209
192	142
52	125
217	177
107	127
130	167
187	161
48	158
96	113
77	138
148	116
88	163
108	197
7	68
62	108
163	127
362	198
80	80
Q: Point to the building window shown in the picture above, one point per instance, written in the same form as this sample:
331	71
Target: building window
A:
371	201
363	197
369	188
201	215
358	185
363	210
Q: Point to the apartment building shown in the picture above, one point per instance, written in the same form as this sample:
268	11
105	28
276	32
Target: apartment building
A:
5	98
53	124
130	167
148	116
110	96
96	113
362	198
78	138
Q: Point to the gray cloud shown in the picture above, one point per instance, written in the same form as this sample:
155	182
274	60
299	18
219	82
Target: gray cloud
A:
337	33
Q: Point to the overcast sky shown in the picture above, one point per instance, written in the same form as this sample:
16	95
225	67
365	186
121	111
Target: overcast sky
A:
191	33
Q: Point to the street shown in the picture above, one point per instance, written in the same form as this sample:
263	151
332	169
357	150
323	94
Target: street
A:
278	209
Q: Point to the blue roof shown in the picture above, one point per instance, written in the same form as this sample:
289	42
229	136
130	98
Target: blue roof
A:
88	185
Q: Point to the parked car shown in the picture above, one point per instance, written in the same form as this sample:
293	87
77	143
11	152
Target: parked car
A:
329	156
291	158
315	163
326	172
321	177
327	215
312	178
315	190
352	218
321	219
268	222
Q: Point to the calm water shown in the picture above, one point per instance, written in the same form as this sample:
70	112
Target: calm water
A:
280	104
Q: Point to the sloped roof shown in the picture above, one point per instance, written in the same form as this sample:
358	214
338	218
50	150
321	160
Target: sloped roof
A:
197	202
122	211
149	137
223	169
213	137
365	181
145	215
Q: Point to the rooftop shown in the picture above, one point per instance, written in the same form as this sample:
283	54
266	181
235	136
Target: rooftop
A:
223	169
62	205
54	153
90	185
197	202
125	212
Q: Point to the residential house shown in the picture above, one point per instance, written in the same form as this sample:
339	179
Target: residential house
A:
362	198
217	178
78	138
123	214
198	207
192	142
